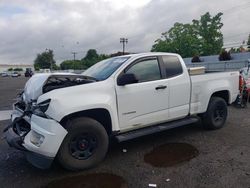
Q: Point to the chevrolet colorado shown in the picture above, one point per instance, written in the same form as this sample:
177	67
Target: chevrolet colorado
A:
72	117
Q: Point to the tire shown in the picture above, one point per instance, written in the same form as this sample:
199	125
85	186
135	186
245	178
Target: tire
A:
216	114
84	146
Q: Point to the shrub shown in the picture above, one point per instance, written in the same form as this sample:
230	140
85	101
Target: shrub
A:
196	59
225	55
18	69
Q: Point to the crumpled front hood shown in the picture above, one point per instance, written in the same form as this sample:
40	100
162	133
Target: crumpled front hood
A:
33	87
42	83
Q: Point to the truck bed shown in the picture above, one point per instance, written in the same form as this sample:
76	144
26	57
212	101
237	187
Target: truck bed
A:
203	85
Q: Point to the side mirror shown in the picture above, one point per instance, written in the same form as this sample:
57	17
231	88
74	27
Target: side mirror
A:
126	79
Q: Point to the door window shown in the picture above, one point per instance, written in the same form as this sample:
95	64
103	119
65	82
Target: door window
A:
146	70
172	65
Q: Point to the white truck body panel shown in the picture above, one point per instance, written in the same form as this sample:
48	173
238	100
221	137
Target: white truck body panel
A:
203	86
130	107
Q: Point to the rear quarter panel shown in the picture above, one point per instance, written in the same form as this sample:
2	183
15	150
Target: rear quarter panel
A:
205	85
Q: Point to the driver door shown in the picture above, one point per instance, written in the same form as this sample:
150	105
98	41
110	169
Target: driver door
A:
146	102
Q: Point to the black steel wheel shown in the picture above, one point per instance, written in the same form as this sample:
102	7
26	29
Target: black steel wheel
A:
84	146
216	114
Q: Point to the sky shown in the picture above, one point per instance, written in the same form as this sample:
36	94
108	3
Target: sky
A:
65	26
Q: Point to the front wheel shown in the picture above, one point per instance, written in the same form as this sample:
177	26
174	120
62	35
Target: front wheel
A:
84	146
216	114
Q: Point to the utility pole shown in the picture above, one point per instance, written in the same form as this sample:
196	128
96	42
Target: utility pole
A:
123	41
74	54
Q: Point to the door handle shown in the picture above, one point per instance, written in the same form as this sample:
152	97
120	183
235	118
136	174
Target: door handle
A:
160	87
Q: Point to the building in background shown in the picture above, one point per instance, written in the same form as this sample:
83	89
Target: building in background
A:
6	67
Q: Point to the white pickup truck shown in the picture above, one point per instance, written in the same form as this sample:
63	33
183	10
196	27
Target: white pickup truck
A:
73	117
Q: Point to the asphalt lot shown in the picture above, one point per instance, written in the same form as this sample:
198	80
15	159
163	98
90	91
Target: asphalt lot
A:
223	159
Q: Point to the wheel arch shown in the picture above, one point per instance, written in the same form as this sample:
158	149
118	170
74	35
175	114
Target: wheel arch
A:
224	94
101	115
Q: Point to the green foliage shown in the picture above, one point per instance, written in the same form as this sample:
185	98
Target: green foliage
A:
55	67
235	50
91	54
196	59
225	55
44	60
71	64
200	37
18	69
37	67
10	69
208	29
179	39
92	57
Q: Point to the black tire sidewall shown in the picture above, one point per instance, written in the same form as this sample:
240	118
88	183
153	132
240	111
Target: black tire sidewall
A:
76	127
208	117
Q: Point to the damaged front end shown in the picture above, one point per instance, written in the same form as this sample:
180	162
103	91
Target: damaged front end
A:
33	132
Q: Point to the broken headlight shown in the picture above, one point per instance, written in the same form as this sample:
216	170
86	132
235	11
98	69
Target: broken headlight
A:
41	108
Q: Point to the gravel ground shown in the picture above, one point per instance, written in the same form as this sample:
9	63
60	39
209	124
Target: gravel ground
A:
223	159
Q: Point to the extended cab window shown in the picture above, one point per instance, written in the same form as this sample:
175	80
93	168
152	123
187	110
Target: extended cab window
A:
172	65
146	70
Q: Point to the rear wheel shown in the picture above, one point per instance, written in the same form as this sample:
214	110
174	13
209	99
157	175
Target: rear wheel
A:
84	146
216	114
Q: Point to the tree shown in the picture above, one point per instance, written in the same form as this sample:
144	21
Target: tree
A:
208	29
200	37
92	57
71	64
181	38
45	60
17	69
91	54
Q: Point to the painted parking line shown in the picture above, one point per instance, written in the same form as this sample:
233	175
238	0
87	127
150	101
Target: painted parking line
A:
5	114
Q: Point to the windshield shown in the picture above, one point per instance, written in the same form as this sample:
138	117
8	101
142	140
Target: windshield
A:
103	69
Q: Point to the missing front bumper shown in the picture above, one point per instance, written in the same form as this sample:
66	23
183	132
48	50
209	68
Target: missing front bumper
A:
13	139
40	138
35	159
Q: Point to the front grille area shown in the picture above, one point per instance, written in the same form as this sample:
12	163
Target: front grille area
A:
20	105
21	127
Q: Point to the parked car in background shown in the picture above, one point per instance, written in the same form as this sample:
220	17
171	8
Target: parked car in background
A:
28	72
4	74
15	74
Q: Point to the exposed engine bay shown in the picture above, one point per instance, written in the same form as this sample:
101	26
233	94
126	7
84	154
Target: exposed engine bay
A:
61	81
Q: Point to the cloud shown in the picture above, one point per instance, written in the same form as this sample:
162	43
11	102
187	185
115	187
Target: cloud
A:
28	28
